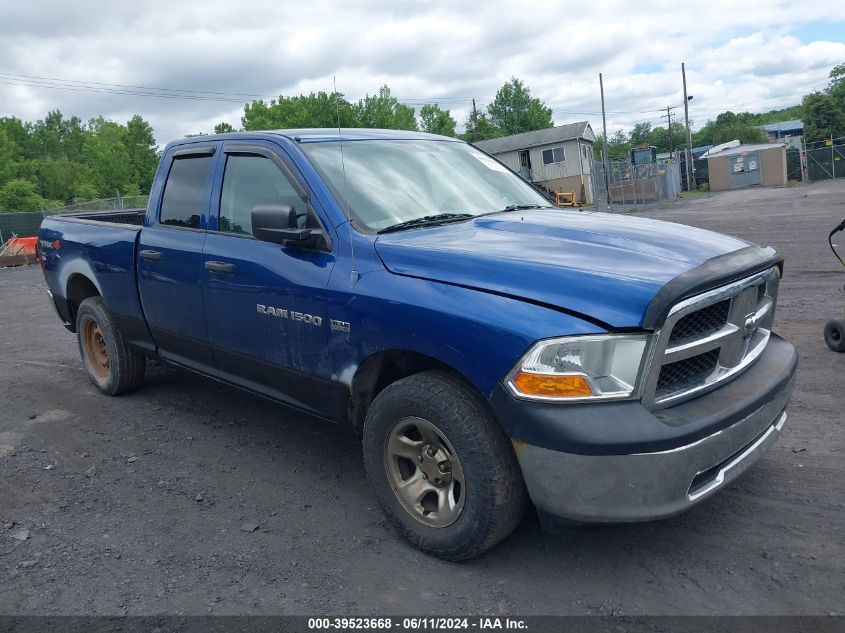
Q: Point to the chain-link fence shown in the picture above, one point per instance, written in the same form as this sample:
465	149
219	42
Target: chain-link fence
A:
700	172
793	164
19	225
826	159
104	204
634	187
26	224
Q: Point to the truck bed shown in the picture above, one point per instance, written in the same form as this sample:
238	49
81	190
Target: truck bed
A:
132	217
100	247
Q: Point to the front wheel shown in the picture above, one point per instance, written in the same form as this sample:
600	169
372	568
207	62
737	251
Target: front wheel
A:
112	365
442	469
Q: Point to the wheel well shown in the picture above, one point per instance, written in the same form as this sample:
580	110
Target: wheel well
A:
79	288
380	370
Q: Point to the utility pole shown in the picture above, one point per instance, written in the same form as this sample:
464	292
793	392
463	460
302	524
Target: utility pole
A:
604	144
668	117
689	137
474	122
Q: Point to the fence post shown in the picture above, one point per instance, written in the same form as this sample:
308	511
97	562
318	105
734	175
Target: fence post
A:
832	157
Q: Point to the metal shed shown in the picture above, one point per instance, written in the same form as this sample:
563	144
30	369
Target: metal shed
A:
748	166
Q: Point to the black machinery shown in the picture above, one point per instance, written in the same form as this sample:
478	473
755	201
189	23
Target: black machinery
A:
834	330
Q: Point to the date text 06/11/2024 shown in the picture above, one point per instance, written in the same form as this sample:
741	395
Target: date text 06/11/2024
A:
417	624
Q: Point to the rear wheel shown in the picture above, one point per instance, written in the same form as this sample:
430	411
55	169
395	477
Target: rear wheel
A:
112	365
441	467
834	335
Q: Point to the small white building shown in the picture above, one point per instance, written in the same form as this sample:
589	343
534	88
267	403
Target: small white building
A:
557	158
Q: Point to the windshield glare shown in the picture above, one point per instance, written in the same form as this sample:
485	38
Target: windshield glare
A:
388	182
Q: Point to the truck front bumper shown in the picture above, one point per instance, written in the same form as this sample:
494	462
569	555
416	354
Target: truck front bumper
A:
619	462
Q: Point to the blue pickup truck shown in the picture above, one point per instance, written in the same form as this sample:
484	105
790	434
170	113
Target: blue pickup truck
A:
489	349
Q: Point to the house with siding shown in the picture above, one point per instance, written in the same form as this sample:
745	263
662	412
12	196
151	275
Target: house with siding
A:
557	158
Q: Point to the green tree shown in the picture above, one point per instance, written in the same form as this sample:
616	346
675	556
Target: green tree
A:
436	120
18	132
776	116
728	126
313	110
641	135
598	145
823	117
514	110
659	138
741	131
139	141
480	129
9	155
20	195
27	169
385	111
65	159
62	179
105	153
223	128
618	148
56	136
836	89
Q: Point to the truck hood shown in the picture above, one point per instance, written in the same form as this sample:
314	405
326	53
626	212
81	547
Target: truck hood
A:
603	266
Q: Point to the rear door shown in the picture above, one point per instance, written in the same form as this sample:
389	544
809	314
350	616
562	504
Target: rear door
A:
170	257
266	304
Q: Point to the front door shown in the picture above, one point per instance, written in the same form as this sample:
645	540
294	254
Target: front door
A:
753	170
525	164
170	258
266	304
745	170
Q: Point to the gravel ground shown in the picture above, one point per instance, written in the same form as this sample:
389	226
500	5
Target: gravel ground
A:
191	498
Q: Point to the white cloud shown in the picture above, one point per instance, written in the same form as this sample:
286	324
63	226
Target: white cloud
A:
745	57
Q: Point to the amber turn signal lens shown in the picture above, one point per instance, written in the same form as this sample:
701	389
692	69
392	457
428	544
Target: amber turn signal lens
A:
552	386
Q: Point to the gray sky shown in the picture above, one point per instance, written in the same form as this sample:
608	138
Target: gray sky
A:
751	55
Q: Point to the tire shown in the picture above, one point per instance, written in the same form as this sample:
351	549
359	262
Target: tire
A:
112	366
834	335
481	497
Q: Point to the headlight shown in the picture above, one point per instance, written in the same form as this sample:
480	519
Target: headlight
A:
580	368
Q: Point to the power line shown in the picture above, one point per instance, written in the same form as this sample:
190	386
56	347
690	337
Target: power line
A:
112	85
564	111
36	81
75	85
769	98
135	93
668	117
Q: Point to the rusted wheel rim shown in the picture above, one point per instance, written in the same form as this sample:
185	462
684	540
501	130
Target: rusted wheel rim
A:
424	472
95	349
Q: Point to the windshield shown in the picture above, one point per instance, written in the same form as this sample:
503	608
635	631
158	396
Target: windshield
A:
390	182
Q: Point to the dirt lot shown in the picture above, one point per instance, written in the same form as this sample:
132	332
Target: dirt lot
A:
135	504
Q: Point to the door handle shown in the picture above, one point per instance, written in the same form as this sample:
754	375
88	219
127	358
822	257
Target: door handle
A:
153	256
222	268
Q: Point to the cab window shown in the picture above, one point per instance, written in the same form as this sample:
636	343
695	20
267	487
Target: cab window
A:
185	191
250	181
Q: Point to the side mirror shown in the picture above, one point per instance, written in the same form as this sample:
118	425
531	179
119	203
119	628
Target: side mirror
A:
268	220
277	223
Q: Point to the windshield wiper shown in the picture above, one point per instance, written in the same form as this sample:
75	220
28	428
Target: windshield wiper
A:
427	220
519	207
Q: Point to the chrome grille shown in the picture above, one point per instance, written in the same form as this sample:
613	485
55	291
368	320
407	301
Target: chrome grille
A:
688	372
711	338
701	322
